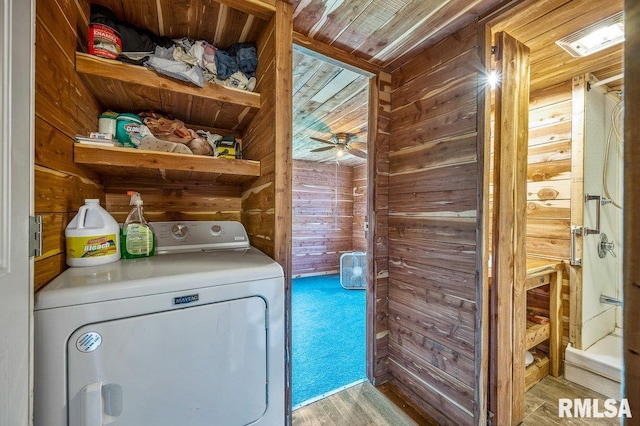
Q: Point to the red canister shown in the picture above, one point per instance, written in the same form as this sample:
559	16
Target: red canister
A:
104	41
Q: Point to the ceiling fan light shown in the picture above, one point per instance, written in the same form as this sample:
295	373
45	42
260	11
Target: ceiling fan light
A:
342	138
340	152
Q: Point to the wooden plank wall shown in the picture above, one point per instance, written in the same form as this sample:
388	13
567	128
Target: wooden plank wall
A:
64	107
359	207
549	185
175	201
433	175
549	173
322	217
258	197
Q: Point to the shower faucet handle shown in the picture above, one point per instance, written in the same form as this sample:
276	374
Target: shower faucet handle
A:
605	246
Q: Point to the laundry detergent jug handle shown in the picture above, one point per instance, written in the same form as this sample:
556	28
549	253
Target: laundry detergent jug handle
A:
82	214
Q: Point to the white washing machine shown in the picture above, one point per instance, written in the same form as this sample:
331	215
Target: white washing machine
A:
192	336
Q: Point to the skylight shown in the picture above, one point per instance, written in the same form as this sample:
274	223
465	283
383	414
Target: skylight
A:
596	37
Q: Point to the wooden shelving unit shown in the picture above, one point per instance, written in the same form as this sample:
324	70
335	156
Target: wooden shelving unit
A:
542	272
537	371
164	166
131	88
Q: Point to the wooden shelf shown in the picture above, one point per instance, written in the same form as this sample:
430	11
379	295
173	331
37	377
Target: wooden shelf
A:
537	371
542	272
164	166
131	88
134	74
536	334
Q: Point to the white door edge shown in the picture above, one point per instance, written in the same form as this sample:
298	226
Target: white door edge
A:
17	31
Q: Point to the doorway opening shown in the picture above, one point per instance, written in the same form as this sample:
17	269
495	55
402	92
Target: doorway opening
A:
329	240
559	214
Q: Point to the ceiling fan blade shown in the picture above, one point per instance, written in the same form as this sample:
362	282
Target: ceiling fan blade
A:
357	152
358	145
324	148
322	140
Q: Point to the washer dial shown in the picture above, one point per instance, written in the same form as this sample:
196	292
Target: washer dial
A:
179	231
216	230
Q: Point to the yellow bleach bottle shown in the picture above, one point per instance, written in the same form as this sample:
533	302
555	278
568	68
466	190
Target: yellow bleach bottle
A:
92	236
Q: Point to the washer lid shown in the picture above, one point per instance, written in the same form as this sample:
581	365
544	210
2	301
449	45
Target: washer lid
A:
155	275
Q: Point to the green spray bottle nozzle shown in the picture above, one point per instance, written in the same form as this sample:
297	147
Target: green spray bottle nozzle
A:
136	199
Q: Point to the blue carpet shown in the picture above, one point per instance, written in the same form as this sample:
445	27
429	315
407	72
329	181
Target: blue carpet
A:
328	336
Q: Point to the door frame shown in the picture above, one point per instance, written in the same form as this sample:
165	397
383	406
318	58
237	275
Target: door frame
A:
578	85
16	205
507	310
631	219
334	56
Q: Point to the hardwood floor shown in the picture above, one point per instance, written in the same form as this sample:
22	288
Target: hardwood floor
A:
365	405
541	403
359	405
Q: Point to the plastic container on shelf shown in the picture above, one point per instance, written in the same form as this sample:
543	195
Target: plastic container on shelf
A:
107	123
137	237
125	123
92	236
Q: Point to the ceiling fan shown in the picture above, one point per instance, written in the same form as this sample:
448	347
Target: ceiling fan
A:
344	143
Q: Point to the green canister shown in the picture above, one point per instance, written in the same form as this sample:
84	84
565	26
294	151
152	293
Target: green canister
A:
123	122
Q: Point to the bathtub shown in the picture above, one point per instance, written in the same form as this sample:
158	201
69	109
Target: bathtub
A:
598	368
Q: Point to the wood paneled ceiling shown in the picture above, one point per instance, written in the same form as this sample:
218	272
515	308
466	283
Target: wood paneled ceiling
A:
327	99
539	23
384	32
388	33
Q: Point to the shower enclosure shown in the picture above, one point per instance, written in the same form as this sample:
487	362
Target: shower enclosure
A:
594	358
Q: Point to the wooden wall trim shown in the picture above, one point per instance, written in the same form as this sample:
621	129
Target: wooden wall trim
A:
482	280
283	119
508	306
283	141
333	55
377	243
631	209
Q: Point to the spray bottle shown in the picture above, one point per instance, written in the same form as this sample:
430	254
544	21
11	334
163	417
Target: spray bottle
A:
137	238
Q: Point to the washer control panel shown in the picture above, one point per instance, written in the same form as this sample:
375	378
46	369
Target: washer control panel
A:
198	235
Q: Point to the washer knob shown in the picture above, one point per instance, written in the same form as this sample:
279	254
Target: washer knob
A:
179	230
216	230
